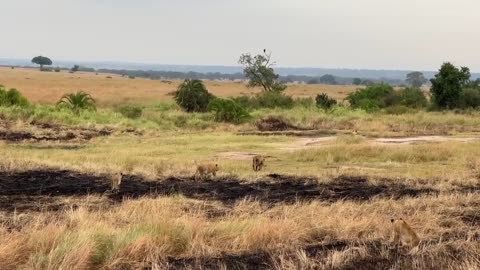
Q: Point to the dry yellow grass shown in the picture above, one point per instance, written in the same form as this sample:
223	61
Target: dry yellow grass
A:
48	87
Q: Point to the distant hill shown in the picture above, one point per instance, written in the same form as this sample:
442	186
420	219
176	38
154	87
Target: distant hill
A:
284	71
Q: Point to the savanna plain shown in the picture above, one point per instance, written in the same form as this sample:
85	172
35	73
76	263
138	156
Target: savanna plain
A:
333	181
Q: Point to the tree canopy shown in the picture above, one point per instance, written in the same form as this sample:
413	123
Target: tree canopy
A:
42	61
416	79
448	85
258	69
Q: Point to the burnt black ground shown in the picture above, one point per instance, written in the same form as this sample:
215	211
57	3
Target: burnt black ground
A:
18	189
49	132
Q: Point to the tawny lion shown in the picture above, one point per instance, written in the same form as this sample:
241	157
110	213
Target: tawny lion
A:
116	181
403	233
258	162
204	170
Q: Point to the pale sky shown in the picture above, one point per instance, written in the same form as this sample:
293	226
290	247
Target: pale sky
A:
373	34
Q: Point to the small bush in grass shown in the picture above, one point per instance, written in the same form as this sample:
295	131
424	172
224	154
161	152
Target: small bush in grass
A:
227	110
324	101
304	102
274	99
12	97
192	96
131	111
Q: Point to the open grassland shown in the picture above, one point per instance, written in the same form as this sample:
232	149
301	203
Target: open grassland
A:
323	206
324	201
49	87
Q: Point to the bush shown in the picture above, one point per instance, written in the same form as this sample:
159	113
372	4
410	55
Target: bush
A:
412	97
12	97
131	112
324	101
192	96
274	99
57	69
304	102
469	98
373	96
227	110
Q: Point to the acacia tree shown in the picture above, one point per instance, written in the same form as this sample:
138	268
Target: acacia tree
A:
258	69
416	79
41	60
448	85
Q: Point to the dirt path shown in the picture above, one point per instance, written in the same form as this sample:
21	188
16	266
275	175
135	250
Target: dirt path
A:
306	143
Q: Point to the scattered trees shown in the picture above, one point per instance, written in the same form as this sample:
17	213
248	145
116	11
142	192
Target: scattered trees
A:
75	68
416	79
42	61
258	69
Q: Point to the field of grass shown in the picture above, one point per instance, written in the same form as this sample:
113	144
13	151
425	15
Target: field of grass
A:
322	202
48	87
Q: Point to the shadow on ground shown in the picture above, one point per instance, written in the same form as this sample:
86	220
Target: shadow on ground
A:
26	190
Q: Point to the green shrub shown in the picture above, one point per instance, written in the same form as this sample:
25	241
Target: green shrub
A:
192	96
304	102
77	102
130	111
324	101
412	97
12	97
245	102
274	99
469	98
227	110
373	96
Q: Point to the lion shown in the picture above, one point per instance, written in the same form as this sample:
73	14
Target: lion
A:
204	170
258	162
403	233
116	181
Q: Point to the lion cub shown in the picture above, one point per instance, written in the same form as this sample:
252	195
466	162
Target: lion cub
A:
204	170
404	233
116	181
258	163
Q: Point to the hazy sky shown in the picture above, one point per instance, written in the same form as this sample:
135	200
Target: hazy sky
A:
390	34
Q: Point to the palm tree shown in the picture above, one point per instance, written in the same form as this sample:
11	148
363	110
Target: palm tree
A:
192	96
77	102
